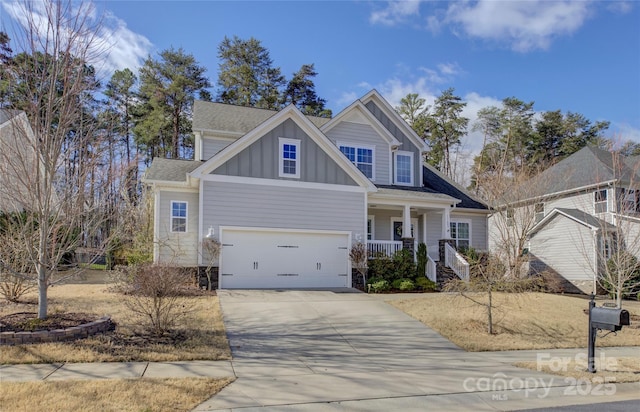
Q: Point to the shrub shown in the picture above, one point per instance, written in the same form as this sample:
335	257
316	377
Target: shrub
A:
380	286
405	267
425	284
421	257
407	285
157	294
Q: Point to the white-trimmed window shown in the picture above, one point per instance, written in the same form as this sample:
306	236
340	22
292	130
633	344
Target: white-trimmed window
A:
629	202
289	157
404	168
461	233
361	156
178	216
600	201
371	227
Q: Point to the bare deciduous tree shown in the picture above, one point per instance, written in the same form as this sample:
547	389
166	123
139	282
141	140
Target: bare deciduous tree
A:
52	154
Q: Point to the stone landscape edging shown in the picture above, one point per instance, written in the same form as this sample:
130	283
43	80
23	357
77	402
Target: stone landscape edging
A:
99	325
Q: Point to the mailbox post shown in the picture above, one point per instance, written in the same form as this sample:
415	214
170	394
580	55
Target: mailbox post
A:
591	349
606	319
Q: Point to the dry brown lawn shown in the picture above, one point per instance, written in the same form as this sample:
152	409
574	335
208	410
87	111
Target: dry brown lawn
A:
617	370
144	394
199	336
521	321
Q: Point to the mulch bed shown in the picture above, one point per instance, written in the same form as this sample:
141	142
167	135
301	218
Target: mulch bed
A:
29	322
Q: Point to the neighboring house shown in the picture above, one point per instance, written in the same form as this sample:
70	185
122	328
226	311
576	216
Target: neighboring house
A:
288	195
578	213
16	156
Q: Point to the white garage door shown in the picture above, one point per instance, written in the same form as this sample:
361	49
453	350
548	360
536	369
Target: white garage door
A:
276	259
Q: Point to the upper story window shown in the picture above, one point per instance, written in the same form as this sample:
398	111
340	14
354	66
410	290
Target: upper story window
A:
289	150
510	217
404	168
539	211
361	156
178	216
629	200
600	201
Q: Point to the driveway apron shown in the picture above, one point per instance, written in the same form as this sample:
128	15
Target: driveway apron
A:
343	350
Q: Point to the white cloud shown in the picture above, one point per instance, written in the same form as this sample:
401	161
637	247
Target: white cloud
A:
624	132
114	45
125	48
523	25
622	7
396	12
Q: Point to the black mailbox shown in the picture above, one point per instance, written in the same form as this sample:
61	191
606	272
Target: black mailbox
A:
609	319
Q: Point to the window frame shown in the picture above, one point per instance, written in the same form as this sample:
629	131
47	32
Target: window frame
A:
371	224
456	239
411	167
282	141
172	217
357	146
629	205
598	200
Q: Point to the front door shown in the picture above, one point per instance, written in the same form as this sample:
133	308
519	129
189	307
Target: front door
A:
397	228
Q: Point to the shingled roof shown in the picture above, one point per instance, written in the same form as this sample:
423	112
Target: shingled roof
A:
576	215
433	180
170	170
590	166
235	119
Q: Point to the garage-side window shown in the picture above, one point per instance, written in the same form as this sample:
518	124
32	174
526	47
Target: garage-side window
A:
178	216
289	157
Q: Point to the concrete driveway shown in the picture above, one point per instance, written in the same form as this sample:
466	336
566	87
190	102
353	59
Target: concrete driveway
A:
339	350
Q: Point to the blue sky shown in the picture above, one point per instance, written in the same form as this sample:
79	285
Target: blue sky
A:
579	56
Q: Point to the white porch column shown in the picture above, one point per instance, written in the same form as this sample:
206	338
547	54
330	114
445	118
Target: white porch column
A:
446	227
406	222
424	228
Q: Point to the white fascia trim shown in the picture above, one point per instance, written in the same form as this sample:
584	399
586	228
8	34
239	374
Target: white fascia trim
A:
169	188
390	201
552	214
396	119
547	196
224	134
282	183
375	123
290	112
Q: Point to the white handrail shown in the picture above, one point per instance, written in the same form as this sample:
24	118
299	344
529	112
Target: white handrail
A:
431	269
383	247
456	262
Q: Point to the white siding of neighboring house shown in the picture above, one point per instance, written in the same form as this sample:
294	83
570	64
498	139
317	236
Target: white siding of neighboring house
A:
567	247
211	146
177	248
253	205
358	133
580	201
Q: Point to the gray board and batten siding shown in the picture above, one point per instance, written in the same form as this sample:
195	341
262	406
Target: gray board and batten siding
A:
261	159
365	135
407	144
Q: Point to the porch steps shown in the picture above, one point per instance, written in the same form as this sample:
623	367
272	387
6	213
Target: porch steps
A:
444	274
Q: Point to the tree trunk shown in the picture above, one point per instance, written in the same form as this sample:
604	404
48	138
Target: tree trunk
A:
489	314
42	273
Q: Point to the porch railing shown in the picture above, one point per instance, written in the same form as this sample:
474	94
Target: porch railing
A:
431	269
383	247
456	262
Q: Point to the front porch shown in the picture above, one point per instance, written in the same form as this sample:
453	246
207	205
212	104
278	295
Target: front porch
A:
426	218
